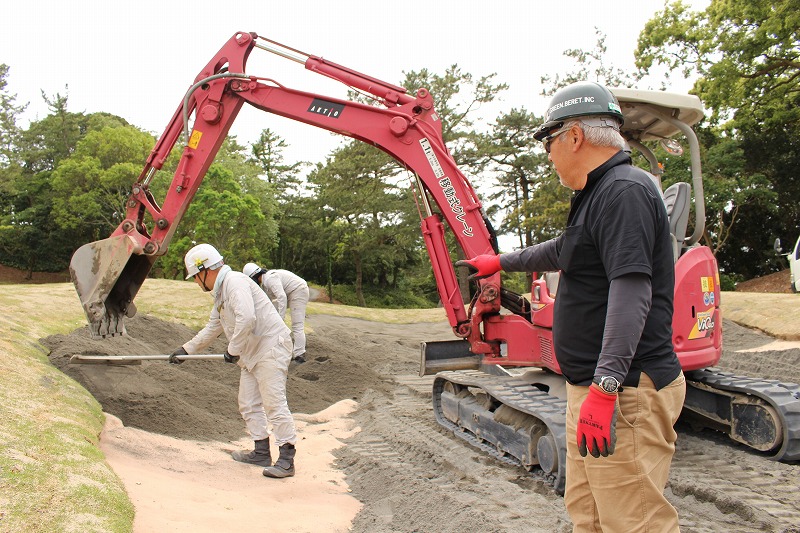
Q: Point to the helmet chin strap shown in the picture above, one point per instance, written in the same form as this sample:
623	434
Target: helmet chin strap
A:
203	280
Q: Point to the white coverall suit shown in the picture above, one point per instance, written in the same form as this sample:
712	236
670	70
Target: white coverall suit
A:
262	341
287	289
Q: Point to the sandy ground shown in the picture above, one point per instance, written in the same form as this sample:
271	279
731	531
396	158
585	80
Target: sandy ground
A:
186	485
372	459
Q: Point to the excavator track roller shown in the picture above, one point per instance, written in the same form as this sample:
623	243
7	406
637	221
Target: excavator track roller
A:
509	417
547	453
756	423
763	415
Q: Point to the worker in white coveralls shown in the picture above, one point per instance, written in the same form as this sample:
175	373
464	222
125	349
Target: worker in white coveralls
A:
285	289
260	343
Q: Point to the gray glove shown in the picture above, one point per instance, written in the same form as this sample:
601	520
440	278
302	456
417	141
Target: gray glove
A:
230	358
173	358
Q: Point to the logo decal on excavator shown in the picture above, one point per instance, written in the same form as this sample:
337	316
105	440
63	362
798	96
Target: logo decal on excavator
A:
704	325
447	186
427	149
329	109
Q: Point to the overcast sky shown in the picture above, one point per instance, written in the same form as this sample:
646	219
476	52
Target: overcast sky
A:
136	59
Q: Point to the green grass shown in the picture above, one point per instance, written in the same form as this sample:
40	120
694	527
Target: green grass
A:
185	303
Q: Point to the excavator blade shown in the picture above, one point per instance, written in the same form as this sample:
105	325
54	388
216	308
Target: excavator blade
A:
107	275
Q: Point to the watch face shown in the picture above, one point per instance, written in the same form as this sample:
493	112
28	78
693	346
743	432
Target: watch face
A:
609	384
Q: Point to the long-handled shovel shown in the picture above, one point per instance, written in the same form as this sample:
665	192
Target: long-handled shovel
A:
136	359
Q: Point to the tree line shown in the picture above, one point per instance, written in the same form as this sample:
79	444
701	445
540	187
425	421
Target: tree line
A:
350	223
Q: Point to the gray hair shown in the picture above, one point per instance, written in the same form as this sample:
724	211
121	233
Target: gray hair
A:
600	132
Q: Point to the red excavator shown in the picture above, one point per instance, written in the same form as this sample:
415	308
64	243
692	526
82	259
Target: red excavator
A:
498	384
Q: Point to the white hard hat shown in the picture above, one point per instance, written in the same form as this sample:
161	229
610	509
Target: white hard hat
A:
202	257
251	270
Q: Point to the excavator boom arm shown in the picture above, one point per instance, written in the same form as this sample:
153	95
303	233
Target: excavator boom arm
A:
406	127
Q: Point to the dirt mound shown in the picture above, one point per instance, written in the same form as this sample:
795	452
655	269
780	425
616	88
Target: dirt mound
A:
345	358
194	400
777	282
747	352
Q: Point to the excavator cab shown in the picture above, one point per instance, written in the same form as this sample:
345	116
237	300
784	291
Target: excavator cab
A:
661	116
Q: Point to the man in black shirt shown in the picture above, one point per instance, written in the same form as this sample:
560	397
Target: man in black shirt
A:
612	318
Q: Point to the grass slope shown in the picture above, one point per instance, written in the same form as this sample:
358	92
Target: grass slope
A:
53	476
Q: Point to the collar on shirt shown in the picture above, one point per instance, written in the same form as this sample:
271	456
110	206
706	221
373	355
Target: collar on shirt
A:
620	158
594	177
220	277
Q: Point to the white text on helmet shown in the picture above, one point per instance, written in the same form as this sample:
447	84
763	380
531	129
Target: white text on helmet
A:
571	101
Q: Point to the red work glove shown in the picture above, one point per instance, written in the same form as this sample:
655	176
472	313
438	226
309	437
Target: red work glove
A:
481	266
597	422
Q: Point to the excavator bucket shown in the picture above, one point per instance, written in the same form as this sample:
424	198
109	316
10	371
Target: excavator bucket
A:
107	275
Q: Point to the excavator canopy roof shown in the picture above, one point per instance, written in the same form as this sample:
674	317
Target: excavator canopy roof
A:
637	106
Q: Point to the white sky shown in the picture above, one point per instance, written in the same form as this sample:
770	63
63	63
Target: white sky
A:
136	59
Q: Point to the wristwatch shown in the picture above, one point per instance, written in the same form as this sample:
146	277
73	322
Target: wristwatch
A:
608	383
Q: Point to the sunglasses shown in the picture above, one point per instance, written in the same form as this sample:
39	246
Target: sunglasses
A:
547	140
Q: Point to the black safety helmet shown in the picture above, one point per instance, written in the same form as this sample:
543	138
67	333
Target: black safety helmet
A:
580	99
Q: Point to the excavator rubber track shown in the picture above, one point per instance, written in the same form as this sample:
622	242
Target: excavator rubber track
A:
762	414
508	417
517	422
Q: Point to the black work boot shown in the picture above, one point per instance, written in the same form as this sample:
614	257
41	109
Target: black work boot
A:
260	456
284	466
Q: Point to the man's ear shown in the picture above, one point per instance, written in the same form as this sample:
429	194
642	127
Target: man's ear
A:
576	138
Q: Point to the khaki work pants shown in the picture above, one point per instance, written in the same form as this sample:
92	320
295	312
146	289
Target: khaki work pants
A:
624	492
262	396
